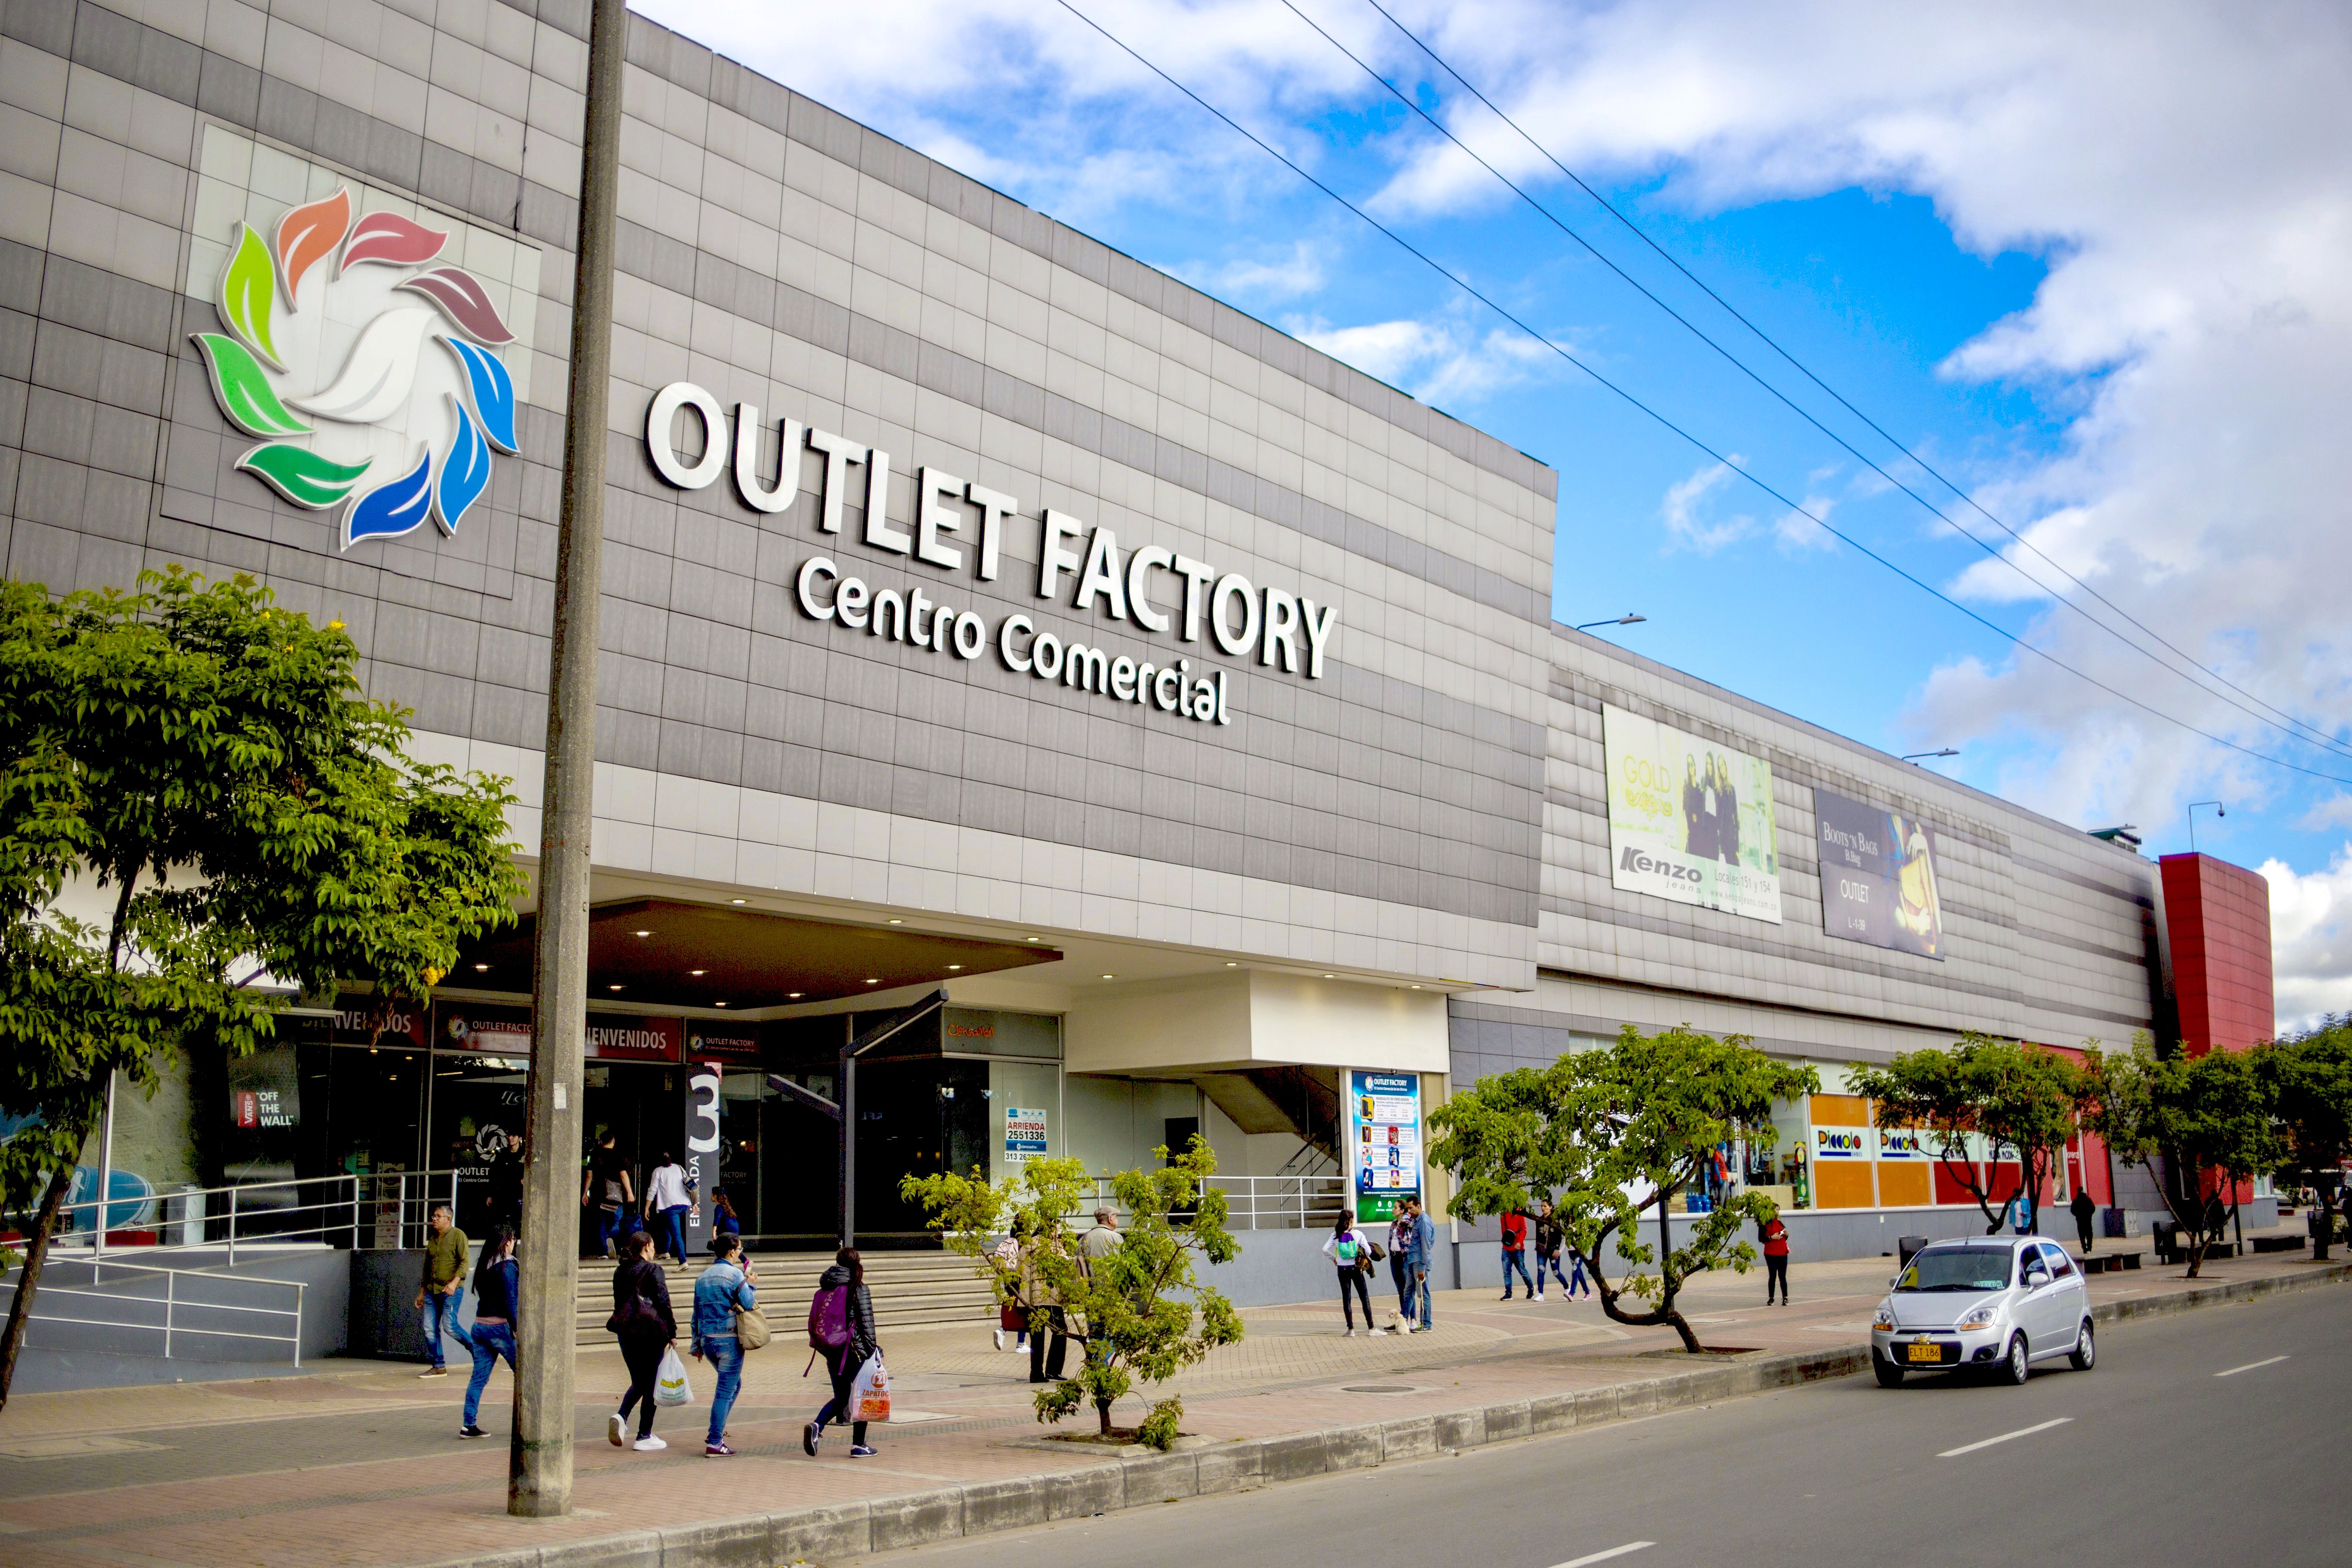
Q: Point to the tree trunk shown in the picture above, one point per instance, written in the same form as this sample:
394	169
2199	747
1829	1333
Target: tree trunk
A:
37	1253
1690	1339
1102	1415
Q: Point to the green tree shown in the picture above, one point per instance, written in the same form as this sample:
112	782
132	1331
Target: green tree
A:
2024	1101
1610	1134
1141	1310
2310	1076
204	761
2199	1124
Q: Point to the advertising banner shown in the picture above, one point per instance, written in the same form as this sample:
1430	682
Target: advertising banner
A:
1385	1136
1689	820
1024	1135
1840	1142
1878	876
482	1026
628	1037
1900	1143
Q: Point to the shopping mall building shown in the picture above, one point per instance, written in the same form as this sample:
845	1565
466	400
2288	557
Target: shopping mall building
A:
983	610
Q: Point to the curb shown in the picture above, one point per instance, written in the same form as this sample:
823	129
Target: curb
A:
834	1531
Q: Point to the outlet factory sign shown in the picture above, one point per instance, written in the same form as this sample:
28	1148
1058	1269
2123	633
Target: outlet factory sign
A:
958	527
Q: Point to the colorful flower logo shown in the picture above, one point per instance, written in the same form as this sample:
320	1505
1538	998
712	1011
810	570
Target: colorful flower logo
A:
263	298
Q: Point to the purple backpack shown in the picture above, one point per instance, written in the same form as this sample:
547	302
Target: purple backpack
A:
828	1318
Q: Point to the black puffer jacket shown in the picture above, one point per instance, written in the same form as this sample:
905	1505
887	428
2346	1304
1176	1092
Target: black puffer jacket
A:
643	1276
862	1340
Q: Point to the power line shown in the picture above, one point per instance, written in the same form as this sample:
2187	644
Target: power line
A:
2316	737
2313	734
1442	271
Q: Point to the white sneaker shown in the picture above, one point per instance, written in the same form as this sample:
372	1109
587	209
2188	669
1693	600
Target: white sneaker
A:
616	1432
1538	1295
1349	1334
647	1444
1380	1333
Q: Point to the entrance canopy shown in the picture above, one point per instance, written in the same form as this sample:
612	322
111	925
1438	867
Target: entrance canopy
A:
673	954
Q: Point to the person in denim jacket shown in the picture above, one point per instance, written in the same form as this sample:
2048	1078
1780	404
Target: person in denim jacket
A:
724	1288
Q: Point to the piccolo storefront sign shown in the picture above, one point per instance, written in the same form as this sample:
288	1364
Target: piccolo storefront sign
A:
958	527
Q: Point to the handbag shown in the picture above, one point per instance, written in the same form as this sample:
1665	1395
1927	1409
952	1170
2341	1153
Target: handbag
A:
750	1327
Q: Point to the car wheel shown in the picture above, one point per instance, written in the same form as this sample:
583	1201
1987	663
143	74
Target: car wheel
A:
2086	1350
1889	1375
2016	1368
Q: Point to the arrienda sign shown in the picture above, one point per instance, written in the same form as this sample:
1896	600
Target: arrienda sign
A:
959	526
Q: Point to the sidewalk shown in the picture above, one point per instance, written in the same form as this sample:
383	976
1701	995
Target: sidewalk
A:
359	1462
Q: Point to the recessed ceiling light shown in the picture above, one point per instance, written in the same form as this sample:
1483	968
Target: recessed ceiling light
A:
1328	977
698	972
481	968
896	922
1412	987
1111	977
643	934
955	966
612	988
718	1003
796	995
734	900
874	983
1037	939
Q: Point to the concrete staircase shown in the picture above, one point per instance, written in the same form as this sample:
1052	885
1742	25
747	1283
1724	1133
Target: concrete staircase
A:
910	1290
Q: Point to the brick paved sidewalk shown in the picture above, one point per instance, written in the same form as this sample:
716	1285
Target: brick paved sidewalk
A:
360	1463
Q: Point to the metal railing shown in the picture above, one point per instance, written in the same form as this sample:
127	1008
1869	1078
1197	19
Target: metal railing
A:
175	1302
377	1209
1257	1203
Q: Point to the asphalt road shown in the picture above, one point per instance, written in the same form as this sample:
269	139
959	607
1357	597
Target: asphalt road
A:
2214	1437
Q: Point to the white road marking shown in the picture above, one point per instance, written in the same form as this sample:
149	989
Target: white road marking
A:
2005	1437
1613	1551
2250	1366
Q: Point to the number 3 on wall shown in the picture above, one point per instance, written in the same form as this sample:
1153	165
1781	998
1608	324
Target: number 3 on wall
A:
703	1113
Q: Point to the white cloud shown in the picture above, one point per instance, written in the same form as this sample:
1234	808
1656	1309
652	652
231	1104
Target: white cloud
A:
1686	499
1283	277
2311	939
1443	363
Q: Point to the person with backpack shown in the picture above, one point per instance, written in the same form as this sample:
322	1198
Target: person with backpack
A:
841	1330
642	1321
1514	1251
1351	1251
498	1292
725	1288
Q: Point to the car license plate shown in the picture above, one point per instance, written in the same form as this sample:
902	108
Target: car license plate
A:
1921	1349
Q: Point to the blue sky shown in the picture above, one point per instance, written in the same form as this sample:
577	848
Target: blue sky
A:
2085	269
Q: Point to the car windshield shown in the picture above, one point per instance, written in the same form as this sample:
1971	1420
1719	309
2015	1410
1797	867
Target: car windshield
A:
1957	1269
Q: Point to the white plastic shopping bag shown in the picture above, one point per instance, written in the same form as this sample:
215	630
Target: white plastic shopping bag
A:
869	1396
670	1386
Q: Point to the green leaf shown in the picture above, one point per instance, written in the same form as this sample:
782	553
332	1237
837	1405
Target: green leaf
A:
249	294
301	474
242	391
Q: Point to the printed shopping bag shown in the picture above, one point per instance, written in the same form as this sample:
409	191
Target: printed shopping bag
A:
869	1397
670	1386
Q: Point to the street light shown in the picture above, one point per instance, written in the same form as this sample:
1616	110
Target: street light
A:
1914	757
2219	810
1626	620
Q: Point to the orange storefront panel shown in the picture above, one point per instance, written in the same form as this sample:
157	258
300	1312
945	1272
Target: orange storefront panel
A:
1842	1184
1904	1183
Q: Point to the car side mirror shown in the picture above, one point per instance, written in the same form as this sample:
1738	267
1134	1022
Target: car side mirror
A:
2036	1278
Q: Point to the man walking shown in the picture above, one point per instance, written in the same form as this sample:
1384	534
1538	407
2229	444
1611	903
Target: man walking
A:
1099	1242
609	1188
1514	1251
1421	1245
443	1289
2084	1209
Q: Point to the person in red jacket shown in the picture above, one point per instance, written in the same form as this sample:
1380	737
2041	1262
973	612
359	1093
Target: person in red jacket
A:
1514	1251
1776	1259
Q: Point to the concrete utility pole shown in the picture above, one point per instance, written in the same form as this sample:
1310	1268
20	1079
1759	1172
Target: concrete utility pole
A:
539	1462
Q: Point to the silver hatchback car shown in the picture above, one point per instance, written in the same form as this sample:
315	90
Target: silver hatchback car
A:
1995	1302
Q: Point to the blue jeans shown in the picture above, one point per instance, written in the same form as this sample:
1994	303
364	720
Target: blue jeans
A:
608	1226
725	1354
1551	1263
490	1341
1421	1291
1515	1258
670	1233
439	1316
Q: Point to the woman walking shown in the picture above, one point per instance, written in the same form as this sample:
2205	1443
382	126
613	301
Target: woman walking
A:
1352	1252
643	1322
724	1289
498	1286
667	1203
1550	1237
1399	1268
846	1276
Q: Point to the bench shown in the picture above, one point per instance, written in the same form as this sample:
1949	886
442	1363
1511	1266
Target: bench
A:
2280	1243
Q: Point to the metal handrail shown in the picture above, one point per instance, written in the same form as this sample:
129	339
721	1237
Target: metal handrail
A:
171	1304
1257	1203
341	1214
